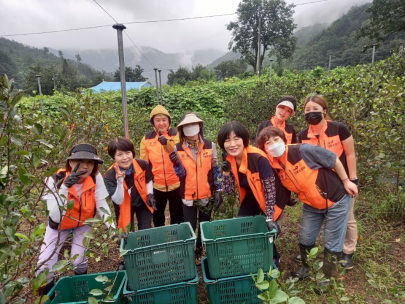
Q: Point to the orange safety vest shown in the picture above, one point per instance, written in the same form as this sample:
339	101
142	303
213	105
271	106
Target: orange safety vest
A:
83	208
162	169
319	188
140	184
328	138
249	166
199	178
288	129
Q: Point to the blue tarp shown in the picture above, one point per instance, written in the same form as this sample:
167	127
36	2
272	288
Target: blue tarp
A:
116	86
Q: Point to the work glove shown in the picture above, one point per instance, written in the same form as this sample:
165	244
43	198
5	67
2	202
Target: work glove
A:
217	200
226	166
74	177
273	225
162	139
151	201
174	158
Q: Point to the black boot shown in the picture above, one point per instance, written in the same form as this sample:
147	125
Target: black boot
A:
329	268
44	290
303	272
348	261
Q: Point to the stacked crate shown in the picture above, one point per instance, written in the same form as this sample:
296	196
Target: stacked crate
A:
235	248
160	265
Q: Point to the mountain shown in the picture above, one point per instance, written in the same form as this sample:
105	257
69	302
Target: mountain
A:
107	59
304	34
339	40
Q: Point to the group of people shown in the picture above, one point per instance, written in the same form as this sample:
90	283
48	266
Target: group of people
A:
180	166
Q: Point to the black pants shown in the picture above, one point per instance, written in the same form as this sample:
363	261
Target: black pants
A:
143	216
175	207
249	211
190	215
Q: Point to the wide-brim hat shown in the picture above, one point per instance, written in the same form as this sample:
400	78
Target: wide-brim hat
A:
85	151
190	118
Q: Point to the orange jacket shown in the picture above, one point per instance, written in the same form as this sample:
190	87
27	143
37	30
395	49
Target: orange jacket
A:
249	166
199	178
140	184
83	208
319	188
288	130
153	152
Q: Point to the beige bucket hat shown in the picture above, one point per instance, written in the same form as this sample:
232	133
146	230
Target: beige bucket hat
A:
190	118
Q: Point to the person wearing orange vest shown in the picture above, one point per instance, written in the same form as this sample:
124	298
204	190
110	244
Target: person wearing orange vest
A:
286	107
80	182
321	183
155	148
335	137
195	162
260	190
129	183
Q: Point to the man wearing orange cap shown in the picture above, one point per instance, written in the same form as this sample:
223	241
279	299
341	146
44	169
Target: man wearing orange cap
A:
155	148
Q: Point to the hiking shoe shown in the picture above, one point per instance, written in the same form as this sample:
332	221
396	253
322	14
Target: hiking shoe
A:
347	261
301	273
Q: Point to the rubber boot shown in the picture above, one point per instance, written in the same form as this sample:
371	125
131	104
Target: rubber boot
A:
303	272
329	268
85	272
44	290
348	261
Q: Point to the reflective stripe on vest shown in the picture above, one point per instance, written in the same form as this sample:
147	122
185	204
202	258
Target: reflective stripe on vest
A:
196	184
253	178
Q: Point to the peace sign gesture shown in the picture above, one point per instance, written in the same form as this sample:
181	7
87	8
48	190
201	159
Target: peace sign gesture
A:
118	173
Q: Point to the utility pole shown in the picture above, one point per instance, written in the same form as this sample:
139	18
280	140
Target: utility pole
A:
157	86
120	28
372	59
401	49
54	80
40	92
258	40
330	64
160	86
271	65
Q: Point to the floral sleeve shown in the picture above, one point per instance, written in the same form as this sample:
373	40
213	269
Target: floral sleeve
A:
269	186
228	184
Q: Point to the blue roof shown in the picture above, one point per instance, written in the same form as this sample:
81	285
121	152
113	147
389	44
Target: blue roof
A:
116	86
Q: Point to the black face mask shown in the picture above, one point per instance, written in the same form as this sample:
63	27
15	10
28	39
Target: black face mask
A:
313	118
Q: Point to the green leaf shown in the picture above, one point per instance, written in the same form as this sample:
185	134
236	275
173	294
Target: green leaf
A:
38	128
15	140
42	300
263	285
273	287
17	98
89	235
104	210
109	297
101	278
21	236
50	171
108	288
59	265
44	142
92	300
35	160
96	292
70	204
92	220
10	232
21	173
275	273
38	231
39	281
260	276
279	297
124	252
295	300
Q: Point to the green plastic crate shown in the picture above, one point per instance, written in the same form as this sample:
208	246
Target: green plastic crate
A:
160	256
76	289
177	293
238	289
237	246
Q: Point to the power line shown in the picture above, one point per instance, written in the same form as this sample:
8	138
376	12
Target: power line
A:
105	11
108	25
310	2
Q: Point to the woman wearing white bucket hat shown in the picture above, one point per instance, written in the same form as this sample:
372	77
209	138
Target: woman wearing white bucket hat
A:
195	162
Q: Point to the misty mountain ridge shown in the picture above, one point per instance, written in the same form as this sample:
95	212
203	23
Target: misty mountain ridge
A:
107	59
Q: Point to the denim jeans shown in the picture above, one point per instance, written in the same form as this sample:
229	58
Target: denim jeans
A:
335	224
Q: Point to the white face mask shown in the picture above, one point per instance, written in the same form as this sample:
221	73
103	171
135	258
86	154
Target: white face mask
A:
191	130
276	149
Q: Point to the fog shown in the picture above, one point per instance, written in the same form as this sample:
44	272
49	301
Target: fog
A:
31	16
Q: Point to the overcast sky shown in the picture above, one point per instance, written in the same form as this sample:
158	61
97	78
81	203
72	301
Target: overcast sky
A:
28	16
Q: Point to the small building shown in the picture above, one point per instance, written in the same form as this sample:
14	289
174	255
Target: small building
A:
116	86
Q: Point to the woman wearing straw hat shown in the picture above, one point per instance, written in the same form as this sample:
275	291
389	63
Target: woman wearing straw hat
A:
80	182
195	162
155	148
